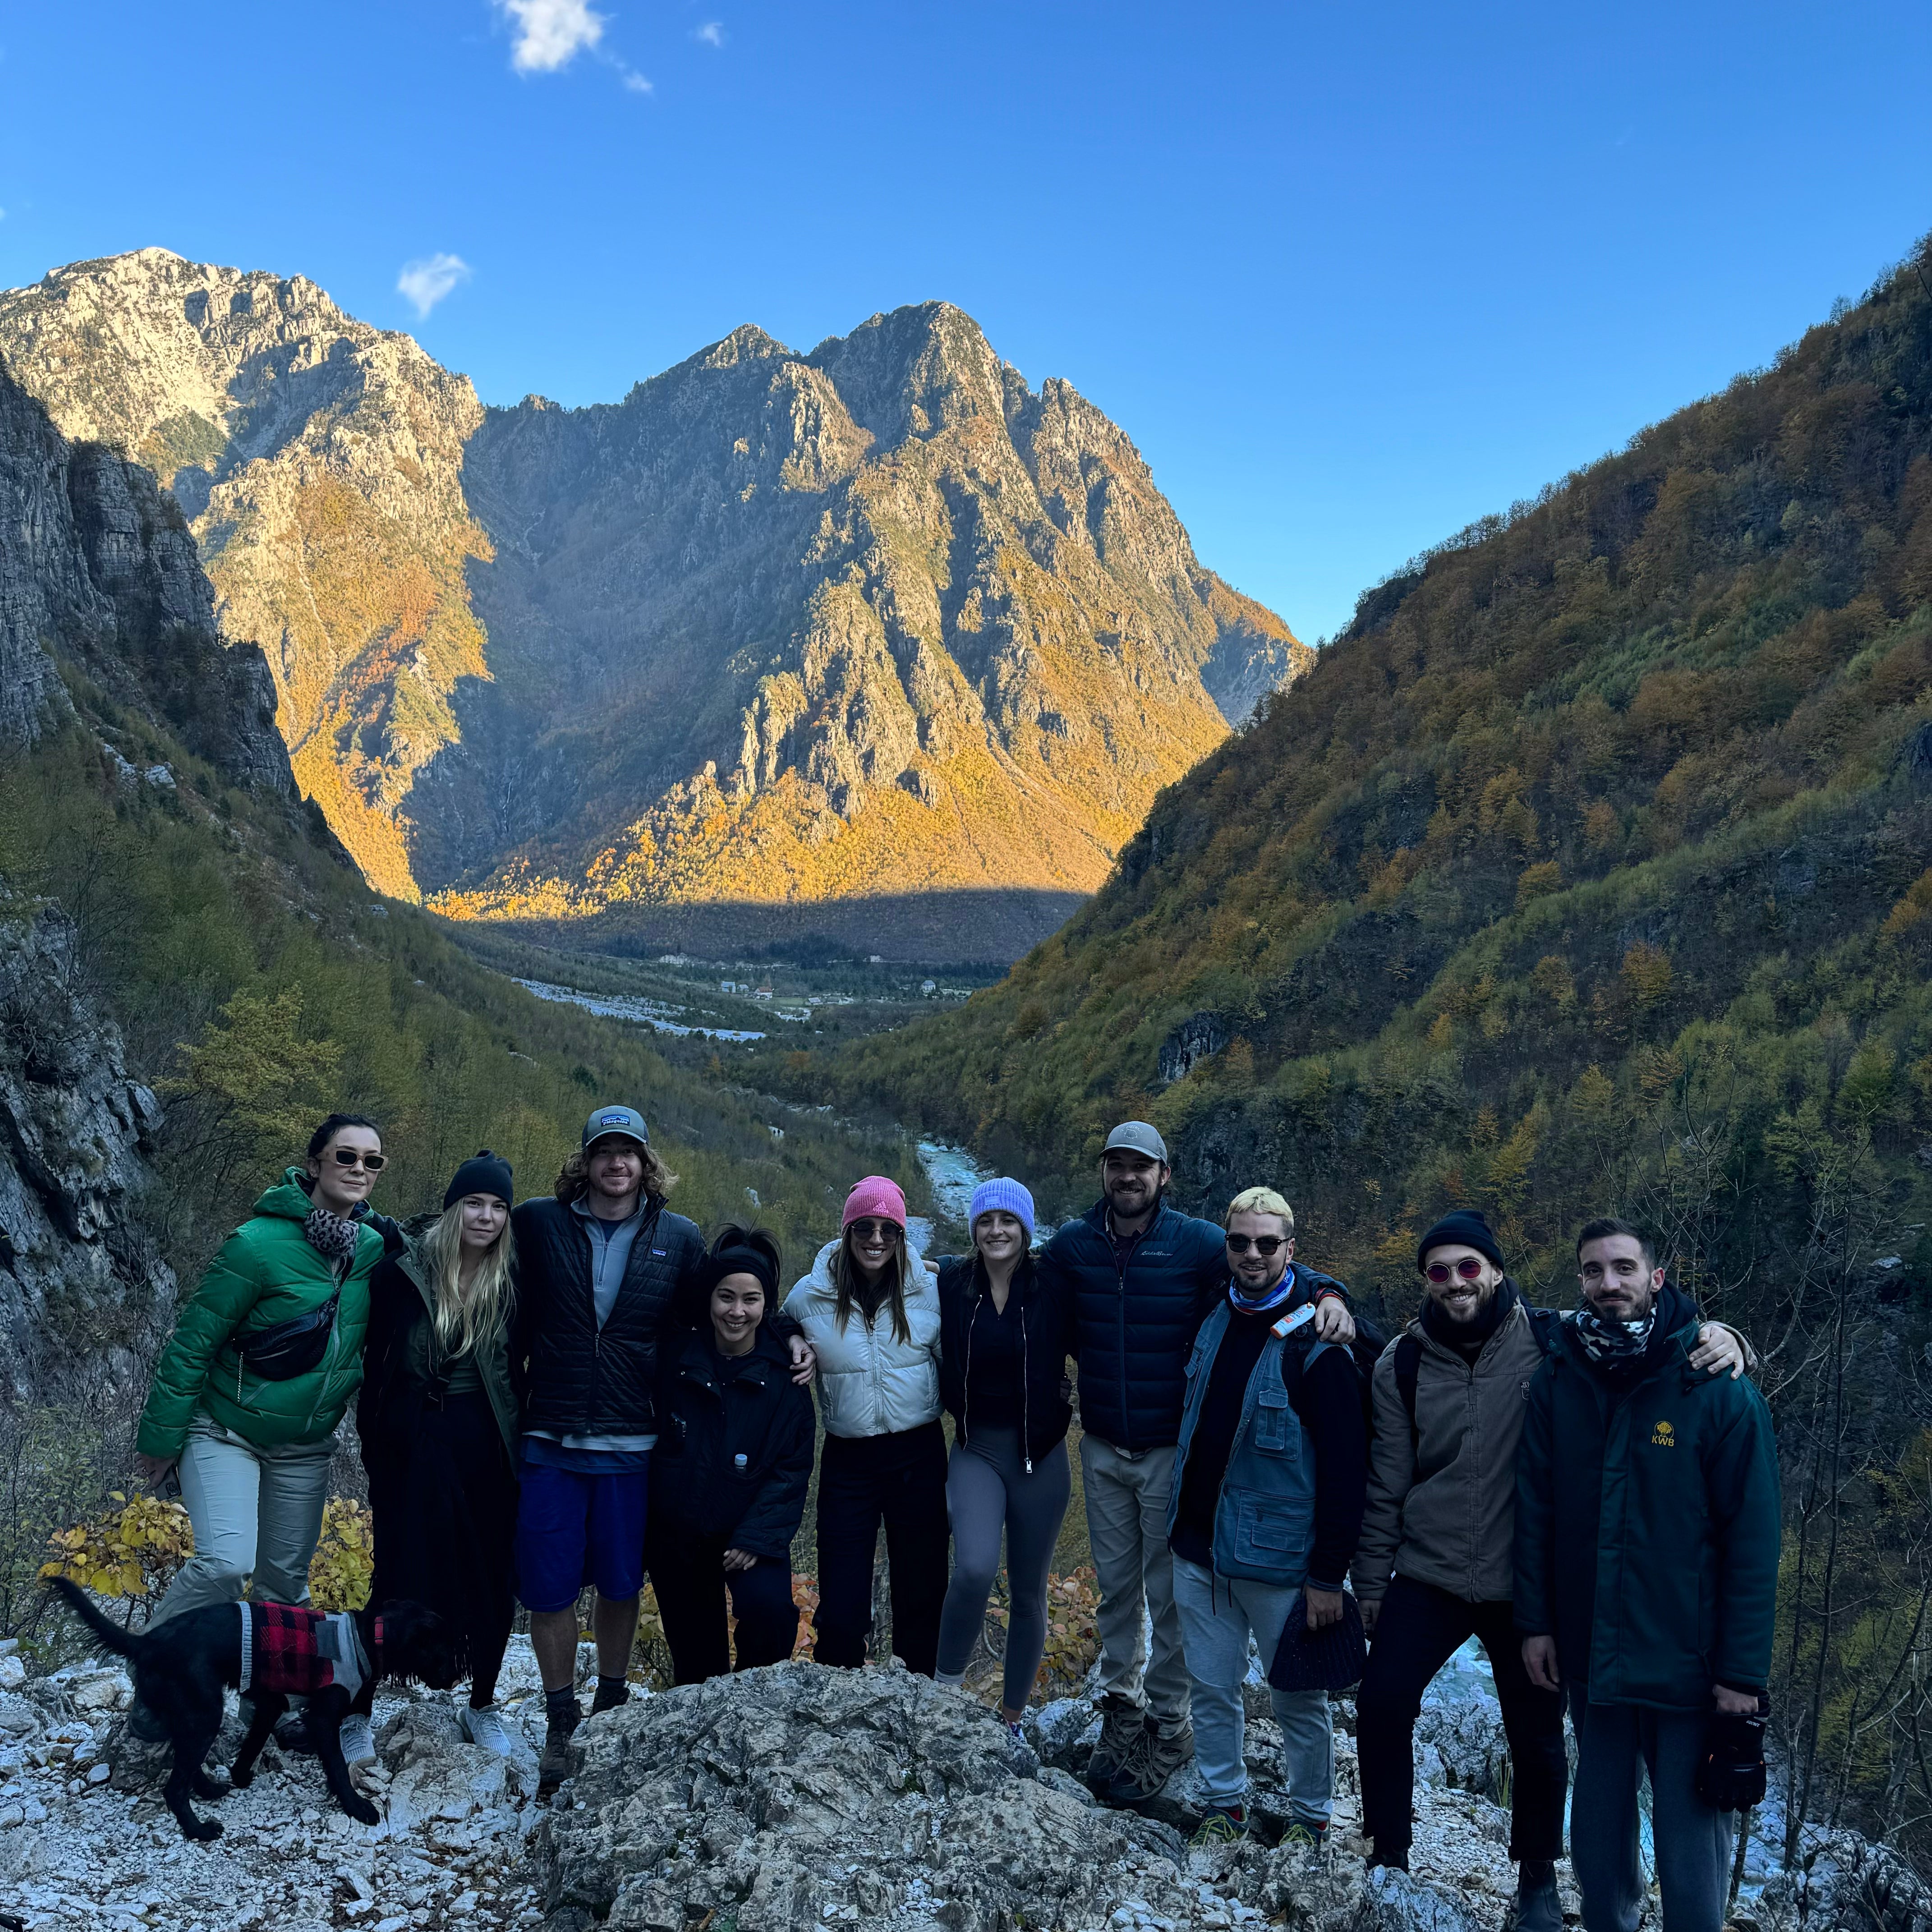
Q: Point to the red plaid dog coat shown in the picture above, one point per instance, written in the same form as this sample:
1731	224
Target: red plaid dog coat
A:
299	1651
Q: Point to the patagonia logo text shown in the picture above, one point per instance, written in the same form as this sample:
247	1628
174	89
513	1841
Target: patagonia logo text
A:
1663	1436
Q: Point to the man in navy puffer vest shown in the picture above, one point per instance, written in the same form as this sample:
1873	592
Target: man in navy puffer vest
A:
1140	1277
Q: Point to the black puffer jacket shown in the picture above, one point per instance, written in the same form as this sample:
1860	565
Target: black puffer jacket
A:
711	1412
1047	1332
1134	1325
577	1380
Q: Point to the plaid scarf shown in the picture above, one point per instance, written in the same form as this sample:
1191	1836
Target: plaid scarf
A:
1612	1344
331	1236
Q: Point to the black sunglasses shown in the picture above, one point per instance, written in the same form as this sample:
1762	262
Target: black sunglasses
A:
1262	1244
350	1157
1468	1267
877	1230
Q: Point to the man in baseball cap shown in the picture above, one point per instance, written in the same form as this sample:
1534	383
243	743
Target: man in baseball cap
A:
620	1123
1140	1278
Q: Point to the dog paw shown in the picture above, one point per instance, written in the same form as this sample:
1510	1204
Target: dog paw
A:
206	1828
362	1811
240	1780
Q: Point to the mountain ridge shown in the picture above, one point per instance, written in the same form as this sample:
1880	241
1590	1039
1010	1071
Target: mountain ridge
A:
874	618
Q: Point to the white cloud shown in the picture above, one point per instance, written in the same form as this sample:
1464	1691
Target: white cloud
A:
635	81
711	33
550	34
426	282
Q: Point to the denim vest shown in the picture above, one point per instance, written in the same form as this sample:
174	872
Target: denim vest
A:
1264	1518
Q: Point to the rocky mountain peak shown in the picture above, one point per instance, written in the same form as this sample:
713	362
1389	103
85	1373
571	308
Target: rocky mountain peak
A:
777	627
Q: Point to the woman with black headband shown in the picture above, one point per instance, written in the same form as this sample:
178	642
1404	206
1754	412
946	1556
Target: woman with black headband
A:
729	1477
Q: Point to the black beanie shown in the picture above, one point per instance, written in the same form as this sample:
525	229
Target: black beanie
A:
722	1261
1464	1228
483	1173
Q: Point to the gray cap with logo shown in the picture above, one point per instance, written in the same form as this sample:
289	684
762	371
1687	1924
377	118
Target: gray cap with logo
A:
1137	1137
624	1123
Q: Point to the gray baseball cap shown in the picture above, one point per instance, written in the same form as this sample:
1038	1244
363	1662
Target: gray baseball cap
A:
1138	1138
626	1123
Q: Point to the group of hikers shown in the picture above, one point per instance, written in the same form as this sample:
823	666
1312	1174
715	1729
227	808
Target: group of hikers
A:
578	1390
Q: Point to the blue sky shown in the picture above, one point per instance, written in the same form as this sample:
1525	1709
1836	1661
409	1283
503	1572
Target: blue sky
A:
1351	276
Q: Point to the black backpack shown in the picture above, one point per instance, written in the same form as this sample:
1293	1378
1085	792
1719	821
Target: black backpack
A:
1543	1323
1365	1350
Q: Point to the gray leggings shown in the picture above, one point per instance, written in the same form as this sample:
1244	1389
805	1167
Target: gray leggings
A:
988	1489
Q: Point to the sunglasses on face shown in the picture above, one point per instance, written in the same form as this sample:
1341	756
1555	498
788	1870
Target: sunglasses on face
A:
887	1231
1262	1244
1468	1267
350	1157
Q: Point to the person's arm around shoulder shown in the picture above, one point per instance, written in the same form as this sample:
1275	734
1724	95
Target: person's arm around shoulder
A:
229	1287
1741	1480
1391	1477
1721	1349
1535	1534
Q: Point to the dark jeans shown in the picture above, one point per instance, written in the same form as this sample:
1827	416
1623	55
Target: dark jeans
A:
688	1575
863	1479
1420	1628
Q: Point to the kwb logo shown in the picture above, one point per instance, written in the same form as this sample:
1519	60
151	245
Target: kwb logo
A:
1663	1436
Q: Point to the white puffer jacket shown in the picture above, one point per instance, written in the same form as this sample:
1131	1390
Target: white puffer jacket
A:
870	1383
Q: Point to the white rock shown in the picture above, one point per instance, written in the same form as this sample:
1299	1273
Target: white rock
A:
13	1672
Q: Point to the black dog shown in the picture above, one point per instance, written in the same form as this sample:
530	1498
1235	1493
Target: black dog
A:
181	1669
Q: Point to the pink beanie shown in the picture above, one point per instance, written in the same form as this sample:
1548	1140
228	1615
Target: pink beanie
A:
875	1195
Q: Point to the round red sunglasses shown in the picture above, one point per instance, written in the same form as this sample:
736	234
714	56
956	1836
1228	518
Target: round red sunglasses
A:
1468	1267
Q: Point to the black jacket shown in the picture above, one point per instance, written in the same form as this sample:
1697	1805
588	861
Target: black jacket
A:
1647	1522
709	1417
1047	1332
1134	1325
400	1368
577	1380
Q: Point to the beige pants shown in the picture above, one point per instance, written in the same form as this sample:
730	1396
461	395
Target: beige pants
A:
255	1511
1126	1526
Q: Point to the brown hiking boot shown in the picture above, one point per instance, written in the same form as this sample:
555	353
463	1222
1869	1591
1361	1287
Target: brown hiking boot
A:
1162	1749
1121	1725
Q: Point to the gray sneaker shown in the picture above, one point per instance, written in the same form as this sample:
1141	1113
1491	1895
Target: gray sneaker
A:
1120	1728
1161	1750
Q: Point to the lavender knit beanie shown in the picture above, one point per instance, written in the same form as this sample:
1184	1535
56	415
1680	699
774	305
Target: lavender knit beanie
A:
1009	1196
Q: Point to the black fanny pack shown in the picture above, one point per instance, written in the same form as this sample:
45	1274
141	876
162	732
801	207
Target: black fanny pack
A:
286	1349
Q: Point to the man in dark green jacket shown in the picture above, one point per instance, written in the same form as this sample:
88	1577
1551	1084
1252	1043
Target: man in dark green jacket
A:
1647	1537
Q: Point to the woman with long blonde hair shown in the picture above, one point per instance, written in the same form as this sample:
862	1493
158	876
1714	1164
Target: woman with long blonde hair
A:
438	1423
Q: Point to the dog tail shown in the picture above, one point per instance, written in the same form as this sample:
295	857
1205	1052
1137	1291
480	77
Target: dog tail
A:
110	1633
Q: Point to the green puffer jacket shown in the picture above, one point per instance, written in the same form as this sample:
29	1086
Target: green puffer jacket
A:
265	1273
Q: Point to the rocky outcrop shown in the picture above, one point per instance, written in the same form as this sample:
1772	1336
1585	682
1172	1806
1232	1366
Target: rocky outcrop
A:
78	1272
97	566
878	618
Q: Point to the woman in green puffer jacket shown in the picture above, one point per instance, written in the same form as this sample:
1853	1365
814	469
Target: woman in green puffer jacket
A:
254	1450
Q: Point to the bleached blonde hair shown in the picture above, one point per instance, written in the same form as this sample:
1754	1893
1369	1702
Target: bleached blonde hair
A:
1261	1201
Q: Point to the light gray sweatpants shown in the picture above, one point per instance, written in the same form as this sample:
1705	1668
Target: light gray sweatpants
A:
1127	1529
1616	1744
1217	1617
255	1511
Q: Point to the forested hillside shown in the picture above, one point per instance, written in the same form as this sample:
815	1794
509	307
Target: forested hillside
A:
1587	870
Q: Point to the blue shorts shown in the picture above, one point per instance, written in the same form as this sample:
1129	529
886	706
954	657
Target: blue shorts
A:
574	1529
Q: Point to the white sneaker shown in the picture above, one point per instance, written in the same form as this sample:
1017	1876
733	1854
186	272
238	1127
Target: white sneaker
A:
486	1728
359	1740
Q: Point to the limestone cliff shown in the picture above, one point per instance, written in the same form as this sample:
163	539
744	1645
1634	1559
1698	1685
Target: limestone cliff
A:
879	618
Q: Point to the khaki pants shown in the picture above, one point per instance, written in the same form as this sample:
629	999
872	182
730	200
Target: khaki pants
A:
255	1511
1126	1526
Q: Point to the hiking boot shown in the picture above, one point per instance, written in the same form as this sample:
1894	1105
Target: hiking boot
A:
1307	1834
557	1762
358	1740
485	1727
1538	1906
1121	1727
1395	1862
610	1694
1162	1748
1224	1824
